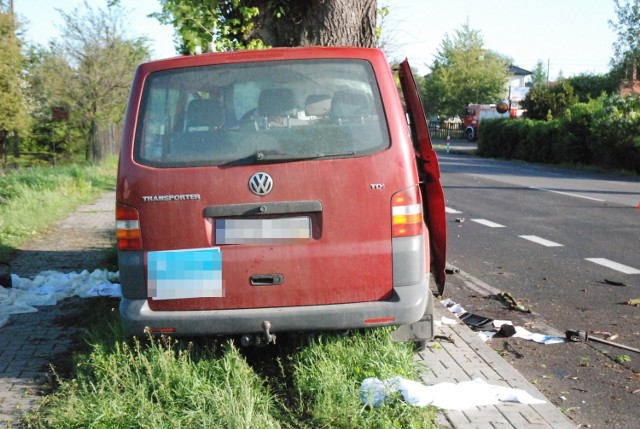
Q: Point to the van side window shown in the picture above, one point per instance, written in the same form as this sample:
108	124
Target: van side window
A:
244	113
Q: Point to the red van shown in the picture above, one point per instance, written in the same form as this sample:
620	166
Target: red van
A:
276	190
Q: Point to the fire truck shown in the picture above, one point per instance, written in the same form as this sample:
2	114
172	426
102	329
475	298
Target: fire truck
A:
476	112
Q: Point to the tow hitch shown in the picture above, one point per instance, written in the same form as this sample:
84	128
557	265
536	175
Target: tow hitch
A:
260	340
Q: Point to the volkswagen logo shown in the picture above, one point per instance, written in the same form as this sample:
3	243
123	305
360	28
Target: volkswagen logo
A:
261	183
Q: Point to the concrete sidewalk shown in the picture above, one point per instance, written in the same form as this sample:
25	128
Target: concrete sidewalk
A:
467	357
30	342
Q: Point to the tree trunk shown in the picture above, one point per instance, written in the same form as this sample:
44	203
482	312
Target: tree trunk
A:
319	23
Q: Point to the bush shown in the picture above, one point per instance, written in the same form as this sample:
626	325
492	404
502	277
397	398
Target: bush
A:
616	134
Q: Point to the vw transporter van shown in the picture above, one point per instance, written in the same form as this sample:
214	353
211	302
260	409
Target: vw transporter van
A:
277	190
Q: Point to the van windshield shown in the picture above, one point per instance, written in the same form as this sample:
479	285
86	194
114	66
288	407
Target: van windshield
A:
250	113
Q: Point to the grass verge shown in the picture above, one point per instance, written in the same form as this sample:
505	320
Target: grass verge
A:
31	199
310	381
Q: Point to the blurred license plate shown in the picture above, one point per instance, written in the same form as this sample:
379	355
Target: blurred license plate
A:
263	231
189	273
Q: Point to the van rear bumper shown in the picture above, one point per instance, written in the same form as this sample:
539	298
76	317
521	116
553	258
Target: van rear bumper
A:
407	305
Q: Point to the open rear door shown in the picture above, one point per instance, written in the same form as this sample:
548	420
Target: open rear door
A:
433	196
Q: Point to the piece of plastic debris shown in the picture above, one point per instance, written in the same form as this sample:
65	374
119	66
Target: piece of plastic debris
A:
505	331
445	338
445	321
512	303
614	283
448	396
453	307
474	320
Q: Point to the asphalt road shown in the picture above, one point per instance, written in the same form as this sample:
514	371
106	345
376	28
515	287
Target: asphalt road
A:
566	245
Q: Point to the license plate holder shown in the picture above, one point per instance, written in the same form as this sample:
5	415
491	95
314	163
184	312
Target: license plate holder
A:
282	230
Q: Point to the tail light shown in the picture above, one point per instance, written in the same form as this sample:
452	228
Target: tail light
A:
406	213
128	228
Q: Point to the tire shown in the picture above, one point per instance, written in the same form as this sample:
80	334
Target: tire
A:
470	133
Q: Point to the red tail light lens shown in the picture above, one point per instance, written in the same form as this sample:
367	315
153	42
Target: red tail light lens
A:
128	228
406	213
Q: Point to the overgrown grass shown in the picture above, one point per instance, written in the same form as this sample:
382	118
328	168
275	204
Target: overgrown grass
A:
167	383
31	199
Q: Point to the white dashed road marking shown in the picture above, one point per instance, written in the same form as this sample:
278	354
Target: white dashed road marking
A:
488	223
567	194
614	265
450	210
542	241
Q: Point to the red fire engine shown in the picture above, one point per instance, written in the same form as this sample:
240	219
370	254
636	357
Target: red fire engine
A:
476	112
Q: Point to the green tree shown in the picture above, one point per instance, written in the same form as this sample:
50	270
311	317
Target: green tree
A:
627	46
549	102
464	72
222	25
539	75
590	86
14	118
52	84
103	59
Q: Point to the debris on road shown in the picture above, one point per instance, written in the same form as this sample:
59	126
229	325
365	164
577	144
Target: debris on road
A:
512	303
452	270
523	333
583	336
478	322
634	301
614	283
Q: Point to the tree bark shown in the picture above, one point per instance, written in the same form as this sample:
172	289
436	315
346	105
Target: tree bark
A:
319	23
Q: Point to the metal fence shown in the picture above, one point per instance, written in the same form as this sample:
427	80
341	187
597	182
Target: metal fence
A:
440	130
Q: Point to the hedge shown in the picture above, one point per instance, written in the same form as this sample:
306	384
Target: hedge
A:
603	133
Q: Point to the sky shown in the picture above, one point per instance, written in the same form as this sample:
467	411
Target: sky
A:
569	36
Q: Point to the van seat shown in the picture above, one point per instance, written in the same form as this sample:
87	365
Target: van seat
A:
203	118
350	104
204	115
276	102
317	105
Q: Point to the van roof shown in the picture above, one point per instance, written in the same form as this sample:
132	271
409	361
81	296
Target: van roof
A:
294	53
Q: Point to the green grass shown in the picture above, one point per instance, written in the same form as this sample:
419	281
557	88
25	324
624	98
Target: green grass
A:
31	199
304	382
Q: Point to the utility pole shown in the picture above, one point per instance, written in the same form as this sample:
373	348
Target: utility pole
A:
548	63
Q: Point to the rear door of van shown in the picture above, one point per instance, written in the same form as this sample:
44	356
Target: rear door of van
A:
287	171
433	195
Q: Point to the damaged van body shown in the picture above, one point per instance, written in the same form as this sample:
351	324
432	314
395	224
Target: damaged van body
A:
277	190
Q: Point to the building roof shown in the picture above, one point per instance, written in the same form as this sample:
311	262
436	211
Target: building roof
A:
517	71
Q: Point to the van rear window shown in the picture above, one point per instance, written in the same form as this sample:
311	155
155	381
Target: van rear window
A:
250	113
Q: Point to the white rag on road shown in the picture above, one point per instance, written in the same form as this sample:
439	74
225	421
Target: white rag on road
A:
447	396
49	287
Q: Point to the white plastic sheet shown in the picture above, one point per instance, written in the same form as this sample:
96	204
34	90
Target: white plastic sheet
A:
522	333
447	396
49	287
